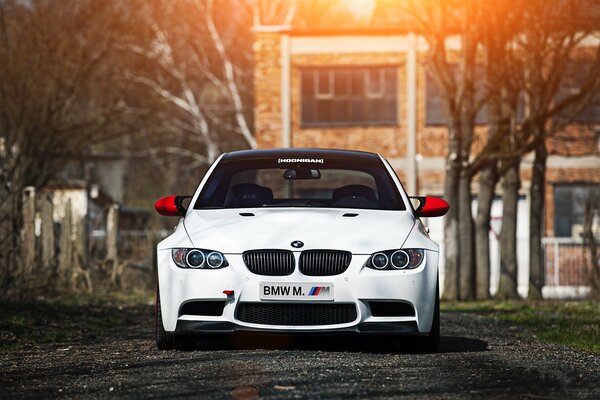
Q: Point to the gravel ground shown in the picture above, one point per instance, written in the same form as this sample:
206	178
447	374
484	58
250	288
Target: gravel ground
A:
480	358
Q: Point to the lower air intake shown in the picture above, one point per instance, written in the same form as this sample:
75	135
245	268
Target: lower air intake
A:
296	314
208	308
391	309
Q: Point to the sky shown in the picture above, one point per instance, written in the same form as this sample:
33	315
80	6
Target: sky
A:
361	9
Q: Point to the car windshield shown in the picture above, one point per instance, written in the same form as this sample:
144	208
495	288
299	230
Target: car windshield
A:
344	183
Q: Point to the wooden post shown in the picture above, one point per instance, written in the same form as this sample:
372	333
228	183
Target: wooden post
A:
65	263
112	230
79	241
112	233
80	274
28	237
48	246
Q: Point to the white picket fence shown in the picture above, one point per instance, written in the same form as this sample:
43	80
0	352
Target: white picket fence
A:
567	268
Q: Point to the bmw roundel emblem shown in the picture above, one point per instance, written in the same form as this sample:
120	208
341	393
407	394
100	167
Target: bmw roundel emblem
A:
297	244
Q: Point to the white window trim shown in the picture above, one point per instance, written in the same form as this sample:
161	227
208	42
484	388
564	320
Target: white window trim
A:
329	94
370	94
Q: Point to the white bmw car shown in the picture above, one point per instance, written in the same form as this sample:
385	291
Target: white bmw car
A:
298	241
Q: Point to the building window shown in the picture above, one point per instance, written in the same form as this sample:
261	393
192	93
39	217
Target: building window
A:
569	207
573	80
364	96
435	112
324	85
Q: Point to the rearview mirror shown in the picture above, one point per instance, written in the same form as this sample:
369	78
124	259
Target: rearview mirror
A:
301	173
430	206
172	206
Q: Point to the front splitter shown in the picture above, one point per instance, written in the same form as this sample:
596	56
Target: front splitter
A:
219	327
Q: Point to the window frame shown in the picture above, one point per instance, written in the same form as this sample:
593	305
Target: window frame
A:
440	119
571	83
559	214
388	93
317	86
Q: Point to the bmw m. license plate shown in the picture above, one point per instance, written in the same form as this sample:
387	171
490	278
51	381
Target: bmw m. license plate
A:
296	291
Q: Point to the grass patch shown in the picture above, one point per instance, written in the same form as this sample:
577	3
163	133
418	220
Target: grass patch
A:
572	323
71	318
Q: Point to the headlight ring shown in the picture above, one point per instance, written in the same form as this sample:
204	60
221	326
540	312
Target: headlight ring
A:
380	260
215	259
195	258
400	259
397	259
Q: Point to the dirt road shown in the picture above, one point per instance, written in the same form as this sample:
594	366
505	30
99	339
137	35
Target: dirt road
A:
481	358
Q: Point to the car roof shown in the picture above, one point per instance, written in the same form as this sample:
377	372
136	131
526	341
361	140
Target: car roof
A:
337	154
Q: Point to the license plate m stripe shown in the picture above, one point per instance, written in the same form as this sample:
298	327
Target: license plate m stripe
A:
314	291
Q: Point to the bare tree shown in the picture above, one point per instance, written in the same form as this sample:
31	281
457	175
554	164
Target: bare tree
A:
538	40
523	49
202	74
545	40
51	59
502	86
455	72
552	34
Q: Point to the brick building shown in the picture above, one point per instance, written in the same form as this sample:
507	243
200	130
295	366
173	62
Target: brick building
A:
367	88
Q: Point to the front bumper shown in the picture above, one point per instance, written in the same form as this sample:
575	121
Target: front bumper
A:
358	285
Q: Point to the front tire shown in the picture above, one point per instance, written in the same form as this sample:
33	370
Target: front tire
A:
431	342
164	340
169	341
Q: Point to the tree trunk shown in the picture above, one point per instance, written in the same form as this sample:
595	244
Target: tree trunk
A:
508	235
451	237
536	223
488	178
465	224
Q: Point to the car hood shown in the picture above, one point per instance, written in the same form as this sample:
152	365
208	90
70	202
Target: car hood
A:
231	232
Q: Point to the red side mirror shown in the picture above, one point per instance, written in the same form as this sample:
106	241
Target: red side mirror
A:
431	207
171	206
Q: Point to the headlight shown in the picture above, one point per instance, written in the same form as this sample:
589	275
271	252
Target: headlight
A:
379	260
416	257
215	259
194	258
400	259
198	258
396	259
